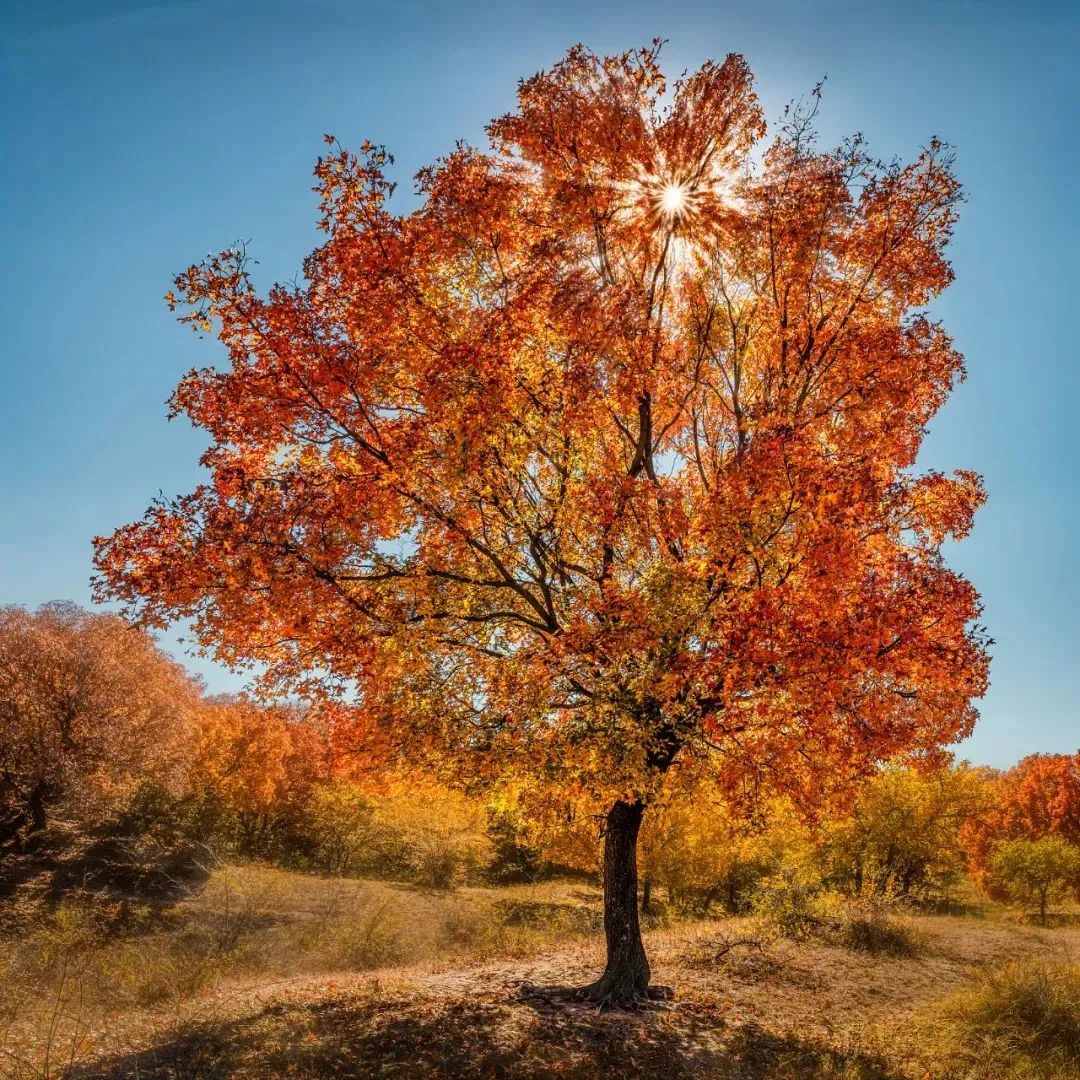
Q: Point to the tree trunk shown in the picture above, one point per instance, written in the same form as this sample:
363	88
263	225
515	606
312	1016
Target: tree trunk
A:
626	977
37	808
646	896
710	895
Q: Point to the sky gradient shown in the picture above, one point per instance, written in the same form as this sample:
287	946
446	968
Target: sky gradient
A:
139	136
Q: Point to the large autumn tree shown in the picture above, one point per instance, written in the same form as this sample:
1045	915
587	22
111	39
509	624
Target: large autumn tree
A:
598	460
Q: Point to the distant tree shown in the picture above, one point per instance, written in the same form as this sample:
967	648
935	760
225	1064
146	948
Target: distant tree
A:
902	833
599	458
1035	871
1039	797
88	706
703	850
258	764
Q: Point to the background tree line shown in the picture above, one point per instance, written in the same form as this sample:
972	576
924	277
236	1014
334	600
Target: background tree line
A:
104	732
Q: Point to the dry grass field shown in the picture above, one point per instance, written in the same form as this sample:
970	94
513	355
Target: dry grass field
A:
260	972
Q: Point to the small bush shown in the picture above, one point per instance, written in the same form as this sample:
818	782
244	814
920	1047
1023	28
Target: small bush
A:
513	861
342	837
435	837
787	900
1022	1021
429	835
796	909
871	926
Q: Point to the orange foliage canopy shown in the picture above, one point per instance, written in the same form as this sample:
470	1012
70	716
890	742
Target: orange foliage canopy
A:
601	456
1039	797
258	761
88	706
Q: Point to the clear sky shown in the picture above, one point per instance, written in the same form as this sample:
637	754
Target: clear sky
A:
138	136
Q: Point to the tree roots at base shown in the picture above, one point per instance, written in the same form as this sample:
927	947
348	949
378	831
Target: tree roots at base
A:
605	994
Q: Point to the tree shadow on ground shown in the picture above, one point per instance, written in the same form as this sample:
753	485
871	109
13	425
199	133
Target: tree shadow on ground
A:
116	874
483	1037
117	869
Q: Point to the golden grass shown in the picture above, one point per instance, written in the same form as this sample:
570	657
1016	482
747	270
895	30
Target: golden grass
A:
266	973
74	982
1021	1020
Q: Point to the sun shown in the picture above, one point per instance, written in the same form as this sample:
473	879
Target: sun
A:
673	199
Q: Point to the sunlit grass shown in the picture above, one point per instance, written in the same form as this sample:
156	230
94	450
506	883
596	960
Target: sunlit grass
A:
262	969
1021	1021
63	984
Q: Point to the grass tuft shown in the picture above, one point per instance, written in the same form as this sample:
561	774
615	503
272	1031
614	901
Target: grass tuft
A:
1021	1021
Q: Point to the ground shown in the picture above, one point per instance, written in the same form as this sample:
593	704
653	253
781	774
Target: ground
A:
451	985
788	1011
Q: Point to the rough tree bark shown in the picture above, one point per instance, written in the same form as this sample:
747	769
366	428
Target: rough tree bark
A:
28	819
625	980
37	807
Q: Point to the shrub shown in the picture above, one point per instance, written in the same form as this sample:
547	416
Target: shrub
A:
795	906
786	901
436	836
869	924
513	860
340	827
424	833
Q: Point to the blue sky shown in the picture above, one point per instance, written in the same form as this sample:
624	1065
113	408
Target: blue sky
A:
138	136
